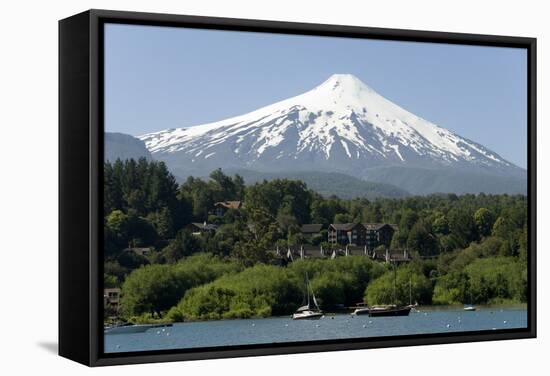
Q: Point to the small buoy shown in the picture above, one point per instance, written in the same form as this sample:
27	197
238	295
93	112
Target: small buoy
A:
316	325
448	325
364	326
370	322
158	331
286	325
118	346
253	324
167	334
332	318
504	322
163	329
425	313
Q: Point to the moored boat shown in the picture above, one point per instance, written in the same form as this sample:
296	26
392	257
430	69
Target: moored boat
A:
305	313
129	328
378	311
470	307
311	310
389	310
361	309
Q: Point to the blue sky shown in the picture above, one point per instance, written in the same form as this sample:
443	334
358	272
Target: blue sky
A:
163	77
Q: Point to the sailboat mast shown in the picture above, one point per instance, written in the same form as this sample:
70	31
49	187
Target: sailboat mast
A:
307	289
410	291
394	284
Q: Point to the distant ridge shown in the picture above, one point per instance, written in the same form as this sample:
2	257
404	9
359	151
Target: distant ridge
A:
328	184
123	146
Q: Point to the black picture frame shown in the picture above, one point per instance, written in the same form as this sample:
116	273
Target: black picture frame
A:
80	185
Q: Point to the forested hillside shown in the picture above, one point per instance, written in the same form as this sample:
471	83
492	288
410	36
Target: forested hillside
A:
469	248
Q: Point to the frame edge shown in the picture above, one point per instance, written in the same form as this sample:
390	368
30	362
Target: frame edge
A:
74	273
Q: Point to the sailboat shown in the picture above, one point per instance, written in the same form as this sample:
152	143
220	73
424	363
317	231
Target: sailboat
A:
411	305
390	309
470	307
311	310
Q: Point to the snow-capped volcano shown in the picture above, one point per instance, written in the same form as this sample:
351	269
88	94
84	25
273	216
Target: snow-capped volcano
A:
341	125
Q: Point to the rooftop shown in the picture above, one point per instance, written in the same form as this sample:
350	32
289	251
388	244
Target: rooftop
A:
343	226
378	226
229	204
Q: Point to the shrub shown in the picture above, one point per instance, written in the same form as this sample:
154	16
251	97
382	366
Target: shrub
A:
156	288
259	291
484	280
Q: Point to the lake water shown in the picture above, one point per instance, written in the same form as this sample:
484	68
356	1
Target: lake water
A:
283	329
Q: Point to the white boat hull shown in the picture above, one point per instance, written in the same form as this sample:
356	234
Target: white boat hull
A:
361	311
307	315
130	329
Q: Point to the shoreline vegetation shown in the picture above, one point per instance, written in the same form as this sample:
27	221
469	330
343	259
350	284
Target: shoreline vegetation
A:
465	249
146	319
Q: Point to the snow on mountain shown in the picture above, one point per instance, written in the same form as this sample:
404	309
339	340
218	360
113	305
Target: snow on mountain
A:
342	125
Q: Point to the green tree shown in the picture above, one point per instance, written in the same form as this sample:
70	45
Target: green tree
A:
184	244
408	219
347	275
441	225
151	289
123	230
484	220
421	240
523	245
141	188
372	213
280	193
399	287
154	289
287	223
462	226
502	228
259	291
483	281
452	288
163	222
343	218
448	243
323	210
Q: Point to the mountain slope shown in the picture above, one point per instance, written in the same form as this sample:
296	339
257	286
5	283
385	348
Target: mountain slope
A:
328	184
123	146
341	126
421	181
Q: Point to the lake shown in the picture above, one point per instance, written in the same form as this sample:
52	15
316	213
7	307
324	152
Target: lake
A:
283	329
